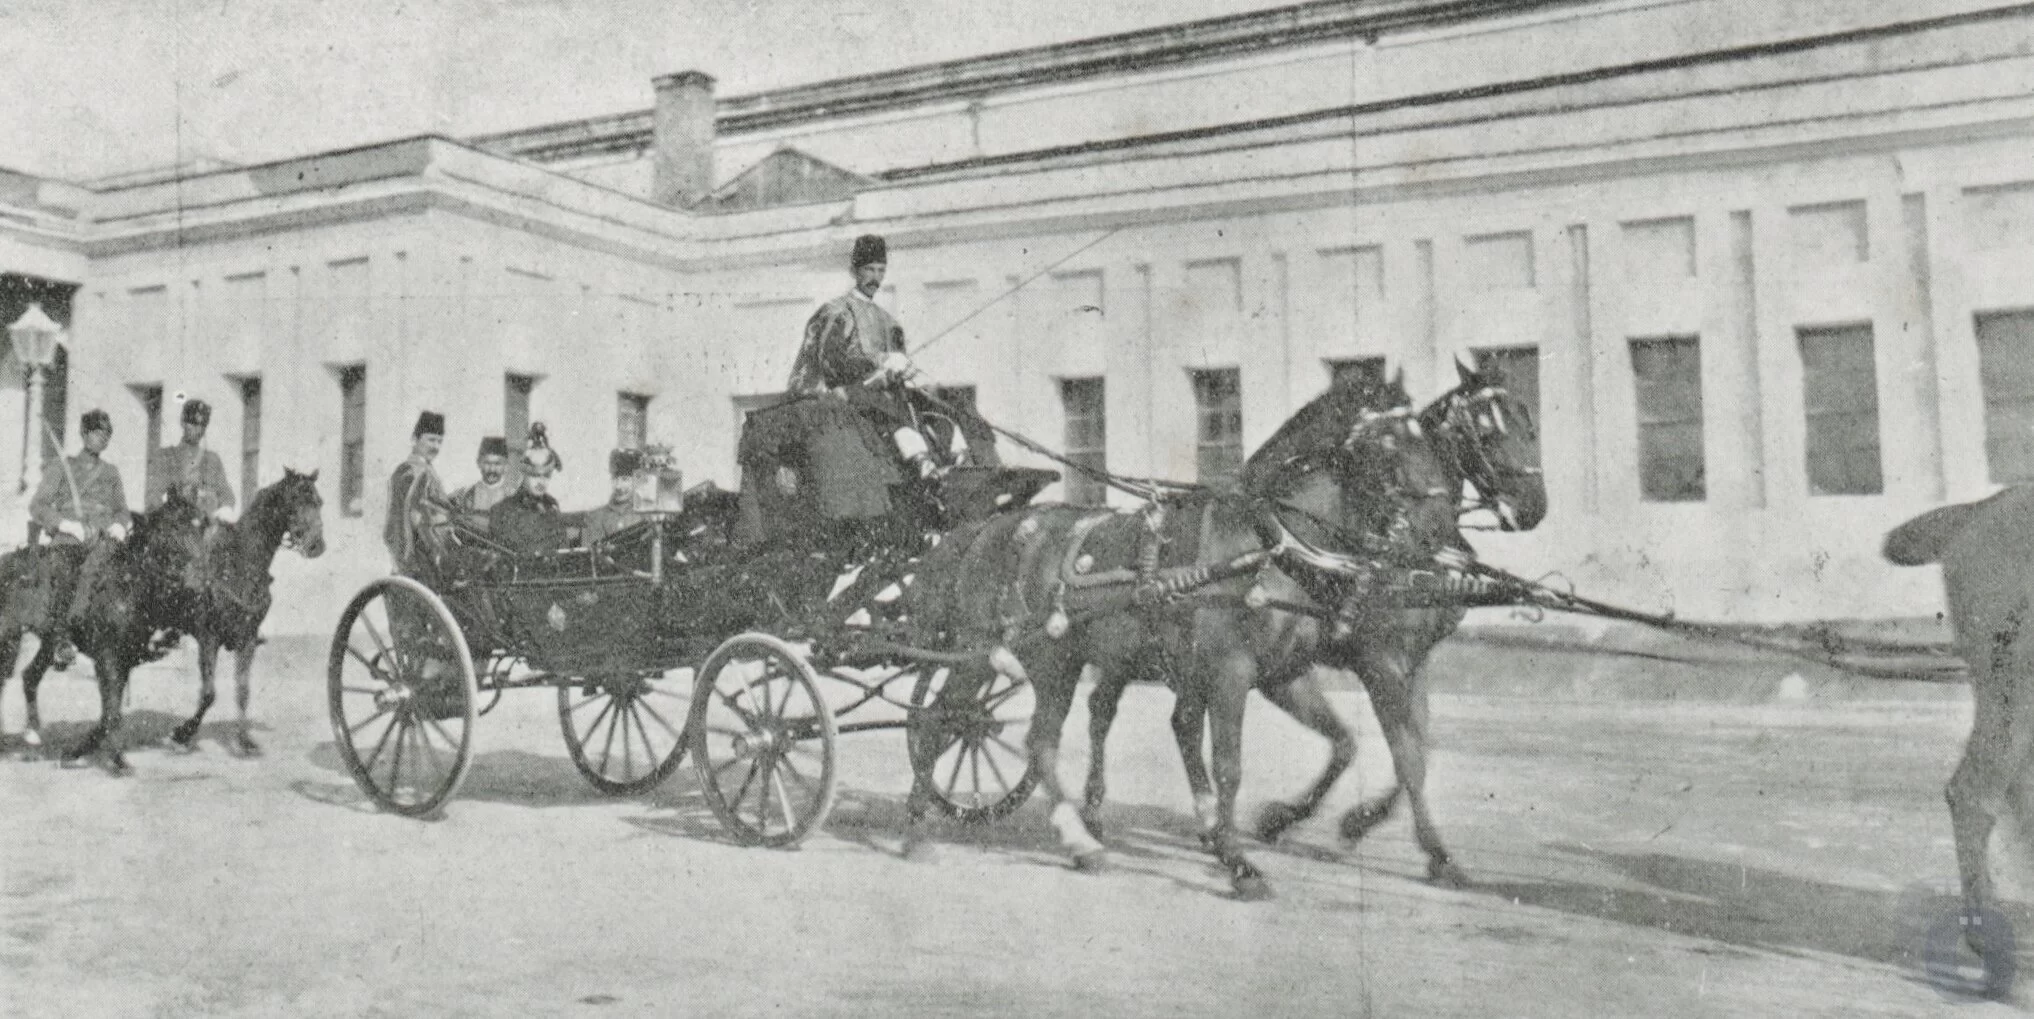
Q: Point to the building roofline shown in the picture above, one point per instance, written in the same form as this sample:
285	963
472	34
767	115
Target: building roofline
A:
1057	63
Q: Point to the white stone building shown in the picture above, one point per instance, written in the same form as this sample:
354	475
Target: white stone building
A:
1762	266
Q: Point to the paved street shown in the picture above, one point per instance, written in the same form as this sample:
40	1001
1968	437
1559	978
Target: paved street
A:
1632	857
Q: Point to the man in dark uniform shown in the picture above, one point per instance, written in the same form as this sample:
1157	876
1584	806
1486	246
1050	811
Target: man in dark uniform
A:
414	483
82	502
473	501
191	468
529	520
851	338
619	513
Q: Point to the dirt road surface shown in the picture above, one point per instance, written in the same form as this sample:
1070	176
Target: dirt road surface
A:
1632	858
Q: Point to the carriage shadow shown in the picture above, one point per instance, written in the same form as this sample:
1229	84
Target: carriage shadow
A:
1752	909
139	730
515	777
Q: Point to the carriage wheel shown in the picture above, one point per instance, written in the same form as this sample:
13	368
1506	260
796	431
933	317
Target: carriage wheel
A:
966	739
402	695
764	740
625	732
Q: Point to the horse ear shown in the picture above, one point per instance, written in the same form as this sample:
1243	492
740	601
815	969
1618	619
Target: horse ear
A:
1466	374
313	475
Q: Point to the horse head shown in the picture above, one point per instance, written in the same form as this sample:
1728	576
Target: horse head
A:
1488	434
300	510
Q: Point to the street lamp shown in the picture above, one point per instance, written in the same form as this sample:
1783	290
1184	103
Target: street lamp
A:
35	341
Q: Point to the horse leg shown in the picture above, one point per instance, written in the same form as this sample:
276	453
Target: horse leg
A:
1236	674
1102	703
1401	711
186	734
1189	720
31	687
104	738
1054	680
1301	697
1977	791
243	692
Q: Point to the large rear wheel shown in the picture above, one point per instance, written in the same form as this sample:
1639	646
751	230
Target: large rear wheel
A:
625	733
402	696
764	741
966	736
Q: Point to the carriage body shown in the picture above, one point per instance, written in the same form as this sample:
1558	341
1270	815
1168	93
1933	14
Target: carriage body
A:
696	629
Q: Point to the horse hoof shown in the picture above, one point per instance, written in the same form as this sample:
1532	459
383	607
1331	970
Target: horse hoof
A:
1357	823
1093	862
1445	874
1092	818
116	766
1252	888
245	746
33	739
1275	818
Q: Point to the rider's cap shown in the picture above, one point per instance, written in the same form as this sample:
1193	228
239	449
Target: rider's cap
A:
869	248
429	422
197	412
624	461
494	445
95	421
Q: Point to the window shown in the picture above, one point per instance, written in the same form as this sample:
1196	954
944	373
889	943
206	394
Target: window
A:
2006	372
1840	389
150	398
632	413
1087	438
352	439
1218	401
250	439
1668	380
1518	371
515	412
1365	372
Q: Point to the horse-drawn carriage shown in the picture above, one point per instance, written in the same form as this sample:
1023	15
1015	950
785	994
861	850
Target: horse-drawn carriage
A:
706	627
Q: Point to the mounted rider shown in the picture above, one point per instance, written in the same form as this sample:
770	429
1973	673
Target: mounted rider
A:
81	503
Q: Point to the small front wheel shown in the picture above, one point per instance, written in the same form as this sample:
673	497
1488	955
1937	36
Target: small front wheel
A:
764	741
402	695
966	736
624	732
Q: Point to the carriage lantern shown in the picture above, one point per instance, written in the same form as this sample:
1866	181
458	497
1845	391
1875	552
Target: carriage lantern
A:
35	336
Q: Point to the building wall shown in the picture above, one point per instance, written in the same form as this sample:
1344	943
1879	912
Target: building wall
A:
1871	182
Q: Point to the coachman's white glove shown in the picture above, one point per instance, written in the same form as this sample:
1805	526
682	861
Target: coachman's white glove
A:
896	365
116	531
224	514
72	528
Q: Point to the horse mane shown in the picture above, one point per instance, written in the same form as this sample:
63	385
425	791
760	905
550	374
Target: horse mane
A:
1321	424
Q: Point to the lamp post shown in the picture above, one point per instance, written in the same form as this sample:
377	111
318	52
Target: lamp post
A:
35	341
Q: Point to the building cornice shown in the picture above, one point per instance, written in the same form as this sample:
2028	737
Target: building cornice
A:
1123	53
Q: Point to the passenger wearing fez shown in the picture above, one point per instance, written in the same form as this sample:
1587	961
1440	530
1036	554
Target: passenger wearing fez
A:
414	483
529	520
190	468
475	500
619	514
852	345
82	502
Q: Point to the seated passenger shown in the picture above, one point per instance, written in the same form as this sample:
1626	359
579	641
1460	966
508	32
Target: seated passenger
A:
619	513
528	521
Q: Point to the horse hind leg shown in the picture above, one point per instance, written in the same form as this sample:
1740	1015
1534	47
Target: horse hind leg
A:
1303	700
31	691
1054	679
1230	695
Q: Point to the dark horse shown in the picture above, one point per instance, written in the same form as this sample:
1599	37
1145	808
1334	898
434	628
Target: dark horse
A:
1986	549
175	574
1353	490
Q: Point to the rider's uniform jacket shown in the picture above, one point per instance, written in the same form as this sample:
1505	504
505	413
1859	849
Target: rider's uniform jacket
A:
845	341
196	470
99	493
611	518
409	474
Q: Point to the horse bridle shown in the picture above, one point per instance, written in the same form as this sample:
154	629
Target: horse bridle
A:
1470	422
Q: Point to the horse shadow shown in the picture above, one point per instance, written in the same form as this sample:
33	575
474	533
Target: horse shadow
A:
139	730
1751	909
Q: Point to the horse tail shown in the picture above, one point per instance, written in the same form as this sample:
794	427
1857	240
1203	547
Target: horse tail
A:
1922	540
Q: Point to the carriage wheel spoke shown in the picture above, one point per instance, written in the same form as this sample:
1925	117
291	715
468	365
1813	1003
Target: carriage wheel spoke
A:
800	776
369	720
974	753
387	649
372	669
995	700
395	769
742	795
442	734
783	801
427	752
380	744
1005	744
649	749
994	768
621	721
607	751
676	734
953	777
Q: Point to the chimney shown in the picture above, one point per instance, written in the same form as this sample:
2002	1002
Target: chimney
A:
681	138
